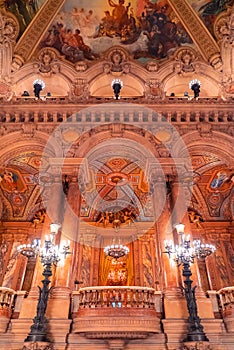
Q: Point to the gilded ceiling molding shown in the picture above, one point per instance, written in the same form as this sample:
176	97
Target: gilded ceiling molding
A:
209	49
27	44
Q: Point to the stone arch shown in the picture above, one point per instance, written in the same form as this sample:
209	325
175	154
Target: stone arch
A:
215	143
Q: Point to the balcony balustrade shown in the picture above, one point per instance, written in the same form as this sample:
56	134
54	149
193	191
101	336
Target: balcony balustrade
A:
121	296
6	302
226	297
135	311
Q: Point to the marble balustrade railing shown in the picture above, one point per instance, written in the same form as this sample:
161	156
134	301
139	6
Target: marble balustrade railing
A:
79	114
6	298
226	296
117	296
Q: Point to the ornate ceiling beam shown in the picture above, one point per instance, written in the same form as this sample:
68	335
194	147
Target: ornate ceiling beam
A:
28	42
201	36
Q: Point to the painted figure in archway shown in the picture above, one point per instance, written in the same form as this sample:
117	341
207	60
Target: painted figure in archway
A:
219	179
8	180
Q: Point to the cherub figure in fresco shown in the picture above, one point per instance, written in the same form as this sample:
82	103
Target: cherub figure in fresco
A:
119	13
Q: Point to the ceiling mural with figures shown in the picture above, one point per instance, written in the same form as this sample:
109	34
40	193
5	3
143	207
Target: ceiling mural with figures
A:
19	186
146	29
24	11
208	10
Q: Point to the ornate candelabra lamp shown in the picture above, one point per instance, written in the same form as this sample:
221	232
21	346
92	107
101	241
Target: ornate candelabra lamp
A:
184	254
195	86
117	85
50	254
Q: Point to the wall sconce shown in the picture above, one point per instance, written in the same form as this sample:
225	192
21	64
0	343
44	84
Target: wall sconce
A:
195	86
116	85
38	86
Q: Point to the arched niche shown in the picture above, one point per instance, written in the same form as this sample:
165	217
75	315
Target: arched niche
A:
101	87
179	85
56	86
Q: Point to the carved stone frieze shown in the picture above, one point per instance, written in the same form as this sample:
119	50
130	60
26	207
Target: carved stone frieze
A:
196	346
153	89
79	90
5	89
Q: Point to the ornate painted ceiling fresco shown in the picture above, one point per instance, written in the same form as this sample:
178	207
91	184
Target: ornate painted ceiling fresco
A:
146	29
116	182
23	10
208	10
19	186
214	185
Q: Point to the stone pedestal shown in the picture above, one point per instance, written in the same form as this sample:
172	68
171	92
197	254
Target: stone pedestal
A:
4	320
58	332
59	303
228	318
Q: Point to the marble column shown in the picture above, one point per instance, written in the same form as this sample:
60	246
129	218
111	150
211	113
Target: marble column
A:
167	275
54	203
64	281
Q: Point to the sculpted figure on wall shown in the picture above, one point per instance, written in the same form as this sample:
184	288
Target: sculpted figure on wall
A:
47	63
9	29
185	62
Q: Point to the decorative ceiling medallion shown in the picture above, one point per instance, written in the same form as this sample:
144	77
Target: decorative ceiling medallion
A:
117	179
70	135
163	135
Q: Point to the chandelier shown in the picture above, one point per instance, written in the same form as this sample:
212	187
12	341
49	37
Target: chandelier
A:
50	253
185	251
116	251
30	250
